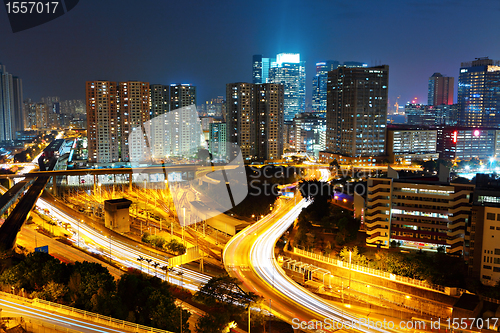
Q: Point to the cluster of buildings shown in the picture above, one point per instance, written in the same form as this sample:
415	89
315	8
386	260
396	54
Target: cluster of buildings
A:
116	109
52	112
433	213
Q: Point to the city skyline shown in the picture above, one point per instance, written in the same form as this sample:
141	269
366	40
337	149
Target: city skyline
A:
67	60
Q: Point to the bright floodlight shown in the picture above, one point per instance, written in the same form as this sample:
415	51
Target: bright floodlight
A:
467	167
492	159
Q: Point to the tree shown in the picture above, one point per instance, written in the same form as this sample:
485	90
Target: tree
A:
175	246
353	255
212	322
223	290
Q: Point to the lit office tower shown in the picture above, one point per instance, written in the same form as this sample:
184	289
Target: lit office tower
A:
320	83
11	105
102	121
357	111
134	104
478	93
240	117
270	114
257	68
182	95
290	71
159	105
260	68
440	90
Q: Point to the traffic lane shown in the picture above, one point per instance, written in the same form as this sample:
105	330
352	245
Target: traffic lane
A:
13	308
26	238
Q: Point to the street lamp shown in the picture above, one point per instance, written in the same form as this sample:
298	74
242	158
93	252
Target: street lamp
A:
350	269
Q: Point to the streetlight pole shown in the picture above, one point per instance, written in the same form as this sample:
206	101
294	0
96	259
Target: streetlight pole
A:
350	270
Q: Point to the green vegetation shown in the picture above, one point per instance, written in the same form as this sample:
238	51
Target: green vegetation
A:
174	246
227	301
321	215
89	286
436	268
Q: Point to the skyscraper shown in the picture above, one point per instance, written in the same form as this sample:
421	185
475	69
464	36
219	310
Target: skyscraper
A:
260	68
160	104
113	111
134	102
217	139
440	90
270	116
254	119
240	117
479	93
357	110
11	105
102	121
289	71
320	84
182	95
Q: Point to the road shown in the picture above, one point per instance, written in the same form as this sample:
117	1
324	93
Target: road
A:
249	256
29	238
122	250
13	308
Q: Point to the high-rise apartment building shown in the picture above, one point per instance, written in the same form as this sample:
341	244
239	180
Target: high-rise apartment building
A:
357	111
134	105
102	121
29	113
241	118
182	95
217	139
254	118
11	105
320	81
41	116
270	115
160	104
478	93
440	90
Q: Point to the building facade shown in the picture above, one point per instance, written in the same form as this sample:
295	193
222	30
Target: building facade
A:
417	214
102	122
309	133
160	104
357	111
464	143
217	140
440	90
406	144
270	118
431	115
319	85
289	71
11	105
182	95
479	93
254	118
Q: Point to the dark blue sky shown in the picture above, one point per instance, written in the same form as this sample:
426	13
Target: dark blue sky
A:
211	43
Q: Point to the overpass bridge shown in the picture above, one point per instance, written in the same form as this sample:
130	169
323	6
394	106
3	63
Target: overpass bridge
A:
36	181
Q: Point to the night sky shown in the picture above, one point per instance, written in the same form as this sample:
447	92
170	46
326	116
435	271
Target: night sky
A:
211	43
